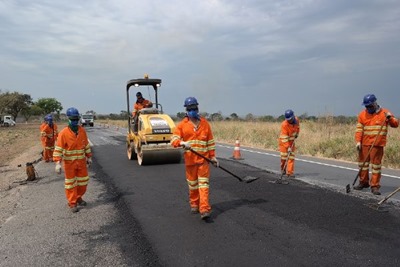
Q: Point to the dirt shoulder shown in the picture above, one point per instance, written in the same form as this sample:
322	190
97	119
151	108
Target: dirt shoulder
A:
19	145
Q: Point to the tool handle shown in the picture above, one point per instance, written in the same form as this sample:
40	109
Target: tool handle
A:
388	196
234	175
209	160
369	151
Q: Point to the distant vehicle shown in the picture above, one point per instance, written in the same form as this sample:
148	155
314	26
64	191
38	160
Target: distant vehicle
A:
6	121
87	119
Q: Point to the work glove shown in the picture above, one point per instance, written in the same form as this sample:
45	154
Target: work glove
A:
388	115
358	146
185	145
89	162
289	149
215	162
58	167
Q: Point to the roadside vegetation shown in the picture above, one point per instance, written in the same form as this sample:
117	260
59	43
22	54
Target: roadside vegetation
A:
325	137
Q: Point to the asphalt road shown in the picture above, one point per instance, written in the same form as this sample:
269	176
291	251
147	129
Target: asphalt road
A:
309	222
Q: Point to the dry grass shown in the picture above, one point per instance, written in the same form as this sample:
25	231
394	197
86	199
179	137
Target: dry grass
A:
320	139
16	140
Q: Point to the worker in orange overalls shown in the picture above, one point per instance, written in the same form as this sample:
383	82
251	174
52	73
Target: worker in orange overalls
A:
371	132
194	132
141	103
73	150
48	136
290	129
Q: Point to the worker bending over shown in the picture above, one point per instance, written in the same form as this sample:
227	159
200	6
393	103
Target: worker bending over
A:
290	129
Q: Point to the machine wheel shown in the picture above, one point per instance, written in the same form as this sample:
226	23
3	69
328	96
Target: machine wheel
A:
131	152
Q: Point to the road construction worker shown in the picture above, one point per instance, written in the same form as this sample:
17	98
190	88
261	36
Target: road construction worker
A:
370	137
290	129
194	133
73	150
48	136
141	102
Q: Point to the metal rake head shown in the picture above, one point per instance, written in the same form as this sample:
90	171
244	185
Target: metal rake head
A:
249	179
376	207
280	181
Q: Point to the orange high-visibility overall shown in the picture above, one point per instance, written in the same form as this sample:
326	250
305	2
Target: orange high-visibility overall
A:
286	139
73	149
48	136
138	106
201	140
367	129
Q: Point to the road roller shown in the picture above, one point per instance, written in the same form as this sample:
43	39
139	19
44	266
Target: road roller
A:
150	130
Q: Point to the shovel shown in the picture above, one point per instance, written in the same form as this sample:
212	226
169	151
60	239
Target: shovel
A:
376	206
247	179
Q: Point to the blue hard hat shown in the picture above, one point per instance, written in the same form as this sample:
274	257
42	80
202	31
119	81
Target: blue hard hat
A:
72	113
138	94
289	114
369	100
48	117
190	101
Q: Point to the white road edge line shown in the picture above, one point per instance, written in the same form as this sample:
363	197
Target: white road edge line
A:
308	161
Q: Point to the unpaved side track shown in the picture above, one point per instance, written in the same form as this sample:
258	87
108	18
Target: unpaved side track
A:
39	230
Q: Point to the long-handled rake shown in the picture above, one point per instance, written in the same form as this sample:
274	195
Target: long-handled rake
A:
366	158
280	180
376	206
247	179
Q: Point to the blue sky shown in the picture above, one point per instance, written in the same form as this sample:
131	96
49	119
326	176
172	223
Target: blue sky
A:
251	56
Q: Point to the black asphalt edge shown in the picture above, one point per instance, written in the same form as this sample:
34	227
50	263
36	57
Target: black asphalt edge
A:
132	240
389	204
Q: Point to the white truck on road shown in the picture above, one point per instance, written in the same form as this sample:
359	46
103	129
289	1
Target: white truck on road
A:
6	121
87	119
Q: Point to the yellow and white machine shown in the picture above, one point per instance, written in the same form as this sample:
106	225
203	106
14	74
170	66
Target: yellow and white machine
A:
149	135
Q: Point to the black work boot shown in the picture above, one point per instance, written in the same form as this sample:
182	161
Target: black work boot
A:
375	191
360	186
74	209
82	202
205	215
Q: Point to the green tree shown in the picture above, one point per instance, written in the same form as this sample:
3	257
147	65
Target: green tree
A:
14	102
49	105
249	117
216	117
123	114
180	115
234	116
32	110
268	118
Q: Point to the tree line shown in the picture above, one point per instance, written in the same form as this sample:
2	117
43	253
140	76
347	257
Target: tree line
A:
218	116
16	104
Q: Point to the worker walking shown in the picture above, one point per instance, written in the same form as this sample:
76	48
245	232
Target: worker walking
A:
74	151
290	129
194	132
371	134
48	136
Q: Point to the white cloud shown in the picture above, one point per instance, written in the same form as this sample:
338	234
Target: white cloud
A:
224	52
